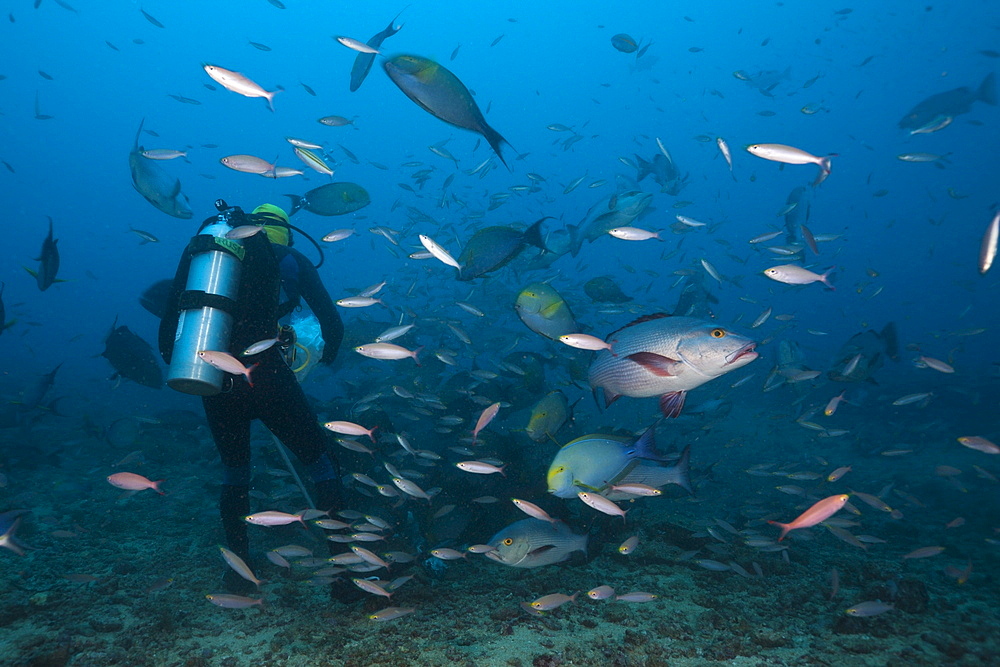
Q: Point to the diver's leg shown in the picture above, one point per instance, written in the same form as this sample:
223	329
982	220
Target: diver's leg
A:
229	422
288	416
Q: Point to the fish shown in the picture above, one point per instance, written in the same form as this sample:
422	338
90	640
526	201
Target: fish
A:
4	324
273	518
979	443
390	614
480	468
363	62
726	153
225	600
484	420
544	311
144	235
10	521
624	43
156	297
869	608
333	121
248	164
792	274
530	543
665	356
440	93
492	248
313	161
331	199
791	155
951	103
604	289
388	351
439	253
163	154
48	260
240	84
584	342
155	185
634	234
356	45
132	357
227	363
870	348
595	463
819	512
548	415
664	171
130	481
619	210
988	246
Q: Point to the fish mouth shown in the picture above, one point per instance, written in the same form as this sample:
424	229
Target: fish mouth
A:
494	556
746	352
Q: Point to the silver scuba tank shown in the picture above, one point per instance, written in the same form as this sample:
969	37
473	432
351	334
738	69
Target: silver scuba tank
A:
205	321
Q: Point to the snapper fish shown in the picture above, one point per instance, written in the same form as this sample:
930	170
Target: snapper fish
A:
534	543
603	464
660	355
544	311
440	93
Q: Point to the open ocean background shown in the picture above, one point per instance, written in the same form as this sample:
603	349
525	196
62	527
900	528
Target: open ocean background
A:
908	237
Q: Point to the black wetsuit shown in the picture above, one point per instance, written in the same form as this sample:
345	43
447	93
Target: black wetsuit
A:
276	397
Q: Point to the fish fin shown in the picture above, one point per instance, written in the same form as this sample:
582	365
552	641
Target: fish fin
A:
645	445
496	142
588	487
609	397
297	204
672	403
681	471
575	239
549	311
891	340
988	89
640	320
34	274
540	550
533	234
784	528
656	364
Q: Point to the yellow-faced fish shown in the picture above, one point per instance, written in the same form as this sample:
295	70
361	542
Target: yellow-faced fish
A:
544	311
548	416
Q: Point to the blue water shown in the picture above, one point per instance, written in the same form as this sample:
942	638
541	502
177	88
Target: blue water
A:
907	249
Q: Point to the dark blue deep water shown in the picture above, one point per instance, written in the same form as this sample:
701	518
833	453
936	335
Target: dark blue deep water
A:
585	94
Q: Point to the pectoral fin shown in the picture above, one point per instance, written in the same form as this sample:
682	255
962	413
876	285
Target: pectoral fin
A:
655	363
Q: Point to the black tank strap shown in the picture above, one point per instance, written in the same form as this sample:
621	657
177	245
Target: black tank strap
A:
194	299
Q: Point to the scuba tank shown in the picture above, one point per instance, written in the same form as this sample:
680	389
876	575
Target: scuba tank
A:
207	304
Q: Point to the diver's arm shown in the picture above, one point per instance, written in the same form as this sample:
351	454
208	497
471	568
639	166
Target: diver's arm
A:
312	290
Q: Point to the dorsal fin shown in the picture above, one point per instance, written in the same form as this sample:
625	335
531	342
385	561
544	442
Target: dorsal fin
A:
644	318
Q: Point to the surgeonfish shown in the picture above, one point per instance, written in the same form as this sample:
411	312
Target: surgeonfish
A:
331	199
596	463
440	93
157	186
534	543
544	311
548	416
494	247
48	260
933	111
660	355
363	62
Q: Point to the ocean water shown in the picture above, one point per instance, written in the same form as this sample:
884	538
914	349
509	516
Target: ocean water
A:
108	578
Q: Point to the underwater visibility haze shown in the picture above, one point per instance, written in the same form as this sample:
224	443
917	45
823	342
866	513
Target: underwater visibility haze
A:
669	333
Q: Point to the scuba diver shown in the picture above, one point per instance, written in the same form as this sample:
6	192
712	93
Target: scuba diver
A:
229	293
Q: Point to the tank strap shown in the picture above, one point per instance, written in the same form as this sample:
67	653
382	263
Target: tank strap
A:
194	299
205	243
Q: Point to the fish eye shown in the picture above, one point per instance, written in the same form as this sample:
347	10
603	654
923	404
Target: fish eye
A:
509	541
718	333
559	469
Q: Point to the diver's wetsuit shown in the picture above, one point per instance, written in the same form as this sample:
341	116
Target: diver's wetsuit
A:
276	397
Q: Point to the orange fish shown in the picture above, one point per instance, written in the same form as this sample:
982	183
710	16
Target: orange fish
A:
819	512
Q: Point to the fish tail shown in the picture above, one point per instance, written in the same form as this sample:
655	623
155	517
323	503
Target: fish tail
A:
496	142
533	234
785	527
296	204
249	371
416	354
155	486
825	278
988	89
681	471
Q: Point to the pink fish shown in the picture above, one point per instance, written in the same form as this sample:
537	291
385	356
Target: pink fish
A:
273	518
227	363
484	419
233	601
133	482
819	512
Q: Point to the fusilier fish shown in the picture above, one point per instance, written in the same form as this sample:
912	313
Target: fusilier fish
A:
238	83
660	355
227	363
388	351
793	274
792	155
